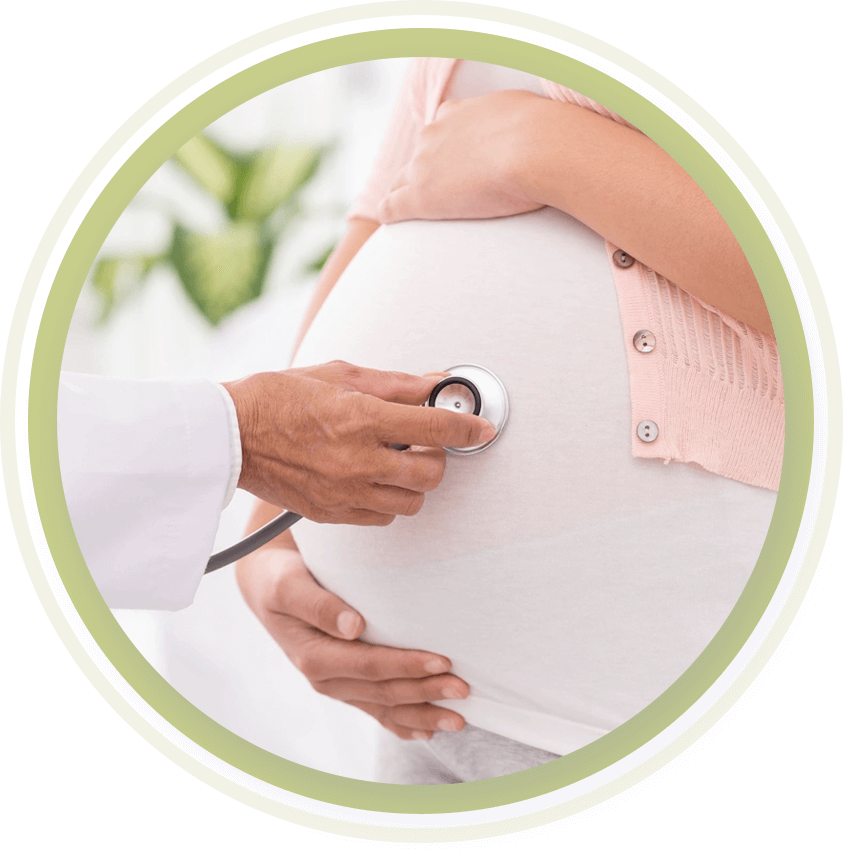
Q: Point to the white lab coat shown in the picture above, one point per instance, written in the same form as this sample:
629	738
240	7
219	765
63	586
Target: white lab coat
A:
147	467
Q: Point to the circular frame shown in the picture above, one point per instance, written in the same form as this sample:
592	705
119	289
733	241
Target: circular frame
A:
650	740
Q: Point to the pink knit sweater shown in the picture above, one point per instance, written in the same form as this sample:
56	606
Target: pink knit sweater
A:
712	386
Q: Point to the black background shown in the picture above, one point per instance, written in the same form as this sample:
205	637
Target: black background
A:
762	772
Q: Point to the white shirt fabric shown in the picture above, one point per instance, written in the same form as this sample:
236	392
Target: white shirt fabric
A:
569	583
147	467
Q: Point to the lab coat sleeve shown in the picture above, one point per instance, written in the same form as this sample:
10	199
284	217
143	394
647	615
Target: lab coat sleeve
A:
146	467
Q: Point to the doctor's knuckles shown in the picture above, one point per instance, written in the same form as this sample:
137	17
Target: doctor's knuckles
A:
317	441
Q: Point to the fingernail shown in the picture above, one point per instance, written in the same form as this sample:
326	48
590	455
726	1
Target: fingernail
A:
435	666
452	692
348	624
420	734
450	724
488	433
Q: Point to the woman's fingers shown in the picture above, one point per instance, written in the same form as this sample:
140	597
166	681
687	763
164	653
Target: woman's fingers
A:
298	595
321	657
392	693
403	177
396	206
358	674
404	721
447	107
315	629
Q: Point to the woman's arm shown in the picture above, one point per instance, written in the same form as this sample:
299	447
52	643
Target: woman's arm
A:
318	631
510	151
358	232
354	239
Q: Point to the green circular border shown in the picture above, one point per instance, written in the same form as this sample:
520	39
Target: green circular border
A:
364	46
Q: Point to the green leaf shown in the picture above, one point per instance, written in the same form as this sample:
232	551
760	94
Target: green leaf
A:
214	169
223	271
104	278
274	177
114	278
317	263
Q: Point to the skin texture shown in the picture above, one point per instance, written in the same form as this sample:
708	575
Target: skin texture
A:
317	441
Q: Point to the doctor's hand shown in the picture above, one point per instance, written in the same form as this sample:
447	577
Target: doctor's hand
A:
317	441
469	162
319	634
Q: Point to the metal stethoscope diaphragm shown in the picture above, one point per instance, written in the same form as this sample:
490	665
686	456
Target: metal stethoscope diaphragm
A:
476	390
468	388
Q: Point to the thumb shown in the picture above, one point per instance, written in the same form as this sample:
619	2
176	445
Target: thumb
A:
300	596
396	206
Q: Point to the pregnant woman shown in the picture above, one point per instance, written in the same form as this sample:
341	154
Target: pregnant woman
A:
568	575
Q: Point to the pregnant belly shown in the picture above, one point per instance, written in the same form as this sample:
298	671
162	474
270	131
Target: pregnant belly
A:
530	297
566	581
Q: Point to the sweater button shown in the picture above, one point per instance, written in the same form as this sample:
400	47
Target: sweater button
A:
647	431
644	341
622	259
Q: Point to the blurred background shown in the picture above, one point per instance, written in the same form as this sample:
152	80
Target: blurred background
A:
207	274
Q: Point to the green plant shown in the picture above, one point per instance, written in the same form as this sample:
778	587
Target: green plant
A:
222	271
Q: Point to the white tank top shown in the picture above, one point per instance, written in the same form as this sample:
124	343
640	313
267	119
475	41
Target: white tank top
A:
569	583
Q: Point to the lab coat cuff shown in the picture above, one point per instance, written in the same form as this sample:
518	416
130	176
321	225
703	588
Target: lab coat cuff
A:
235	445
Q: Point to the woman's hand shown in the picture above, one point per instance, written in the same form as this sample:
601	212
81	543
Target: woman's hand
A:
468	161
510	151
319	633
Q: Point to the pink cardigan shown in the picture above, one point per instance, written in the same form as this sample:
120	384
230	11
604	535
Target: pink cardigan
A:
712	386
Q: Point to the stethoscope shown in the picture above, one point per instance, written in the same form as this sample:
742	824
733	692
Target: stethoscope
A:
468	388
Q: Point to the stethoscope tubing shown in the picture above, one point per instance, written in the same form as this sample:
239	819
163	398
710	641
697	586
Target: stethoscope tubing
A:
253	541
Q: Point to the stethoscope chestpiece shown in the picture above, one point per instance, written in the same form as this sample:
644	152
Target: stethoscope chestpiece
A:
476	390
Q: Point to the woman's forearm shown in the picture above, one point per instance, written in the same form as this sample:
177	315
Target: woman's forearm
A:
626	188
255	577
510	151
358	232
262	513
